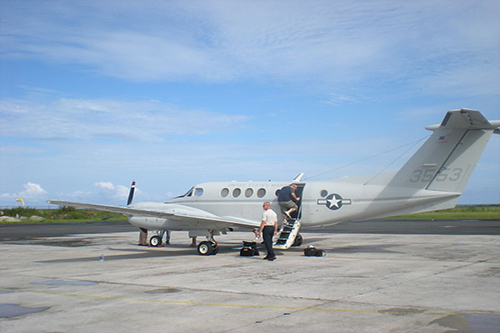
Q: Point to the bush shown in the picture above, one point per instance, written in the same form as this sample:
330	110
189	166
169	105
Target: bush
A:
20	211
61	214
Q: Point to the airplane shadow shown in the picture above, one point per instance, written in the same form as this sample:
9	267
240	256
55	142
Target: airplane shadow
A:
349	249
376	248
139	252
364	249
143	253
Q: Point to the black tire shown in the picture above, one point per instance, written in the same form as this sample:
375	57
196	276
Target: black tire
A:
298	240
205	248
155	241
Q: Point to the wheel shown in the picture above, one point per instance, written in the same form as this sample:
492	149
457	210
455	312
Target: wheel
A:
205	248
298	240
155	241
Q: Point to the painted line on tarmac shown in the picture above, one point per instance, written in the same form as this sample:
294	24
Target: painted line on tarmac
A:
127	299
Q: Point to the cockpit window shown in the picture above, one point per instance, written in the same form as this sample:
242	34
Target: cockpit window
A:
198	192
187	194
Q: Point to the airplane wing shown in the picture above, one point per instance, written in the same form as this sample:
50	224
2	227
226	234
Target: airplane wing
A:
174	212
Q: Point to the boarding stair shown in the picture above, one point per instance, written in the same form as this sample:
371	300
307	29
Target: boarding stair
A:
287	235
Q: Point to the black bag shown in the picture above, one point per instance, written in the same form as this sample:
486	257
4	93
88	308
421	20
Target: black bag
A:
249	249
311	251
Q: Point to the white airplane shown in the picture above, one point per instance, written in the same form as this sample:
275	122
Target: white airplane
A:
432	179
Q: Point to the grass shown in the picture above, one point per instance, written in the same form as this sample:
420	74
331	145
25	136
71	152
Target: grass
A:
466	212
63	214
70	214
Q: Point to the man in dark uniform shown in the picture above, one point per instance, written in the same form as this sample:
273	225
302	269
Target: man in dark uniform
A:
287	200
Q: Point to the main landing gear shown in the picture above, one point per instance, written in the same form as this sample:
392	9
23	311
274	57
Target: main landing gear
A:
207	248
155	241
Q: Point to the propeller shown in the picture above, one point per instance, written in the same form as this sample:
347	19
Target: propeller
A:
131	193
129	200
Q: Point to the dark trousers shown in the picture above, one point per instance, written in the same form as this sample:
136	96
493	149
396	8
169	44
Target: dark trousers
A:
268	234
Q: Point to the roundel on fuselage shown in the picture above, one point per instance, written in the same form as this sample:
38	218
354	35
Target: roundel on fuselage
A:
334	201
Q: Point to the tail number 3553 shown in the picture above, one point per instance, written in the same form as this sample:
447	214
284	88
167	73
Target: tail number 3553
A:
426	175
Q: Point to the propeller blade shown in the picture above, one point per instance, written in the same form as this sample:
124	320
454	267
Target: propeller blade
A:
108	217
131	193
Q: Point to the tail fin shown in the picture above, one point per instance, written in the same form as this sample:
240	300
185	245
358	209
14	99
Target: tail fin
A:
446	160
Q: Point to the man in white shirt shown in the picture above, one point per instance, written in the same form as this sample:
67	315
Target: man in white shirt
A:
268	229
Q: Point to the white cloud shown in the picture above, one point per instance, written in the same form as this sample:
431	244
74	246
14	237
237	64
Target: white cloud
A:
32	193
106	186
32	190
102	192
108	192
65	119
341	43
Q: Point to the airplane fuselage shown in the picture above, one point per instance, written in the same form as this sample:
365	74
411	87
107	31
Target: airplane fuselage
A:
321	203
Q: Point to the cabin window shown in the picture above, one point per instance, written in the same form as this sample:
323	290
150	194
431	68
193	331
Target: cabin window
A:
236	192
248	192
277	193
224	192
324	193
261	192
198	192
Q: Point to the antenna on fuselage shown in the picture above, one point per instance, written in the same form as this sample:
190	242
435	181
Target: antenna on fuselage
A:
298	178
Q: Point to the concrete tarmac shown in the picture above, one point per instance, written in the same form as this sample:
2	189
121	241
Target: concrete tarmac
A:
367	282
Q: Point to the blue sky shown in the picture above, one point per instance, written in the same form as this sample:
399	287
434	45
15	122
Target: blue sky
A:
95	94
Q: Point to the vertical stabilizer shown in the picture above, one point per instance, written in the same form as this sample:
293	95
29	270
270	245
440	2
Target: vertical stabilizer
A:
446	160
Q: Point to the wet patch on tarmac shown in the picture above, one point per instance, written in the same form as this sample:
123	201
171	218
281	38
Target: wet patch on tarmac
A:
484	322
490	272
15	310
470	322
402	311
66	283
456	322
77	242
364	248
163	291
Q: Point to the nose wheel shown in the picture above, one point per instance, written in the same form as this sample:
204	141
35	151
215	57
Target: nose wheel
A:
207	248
